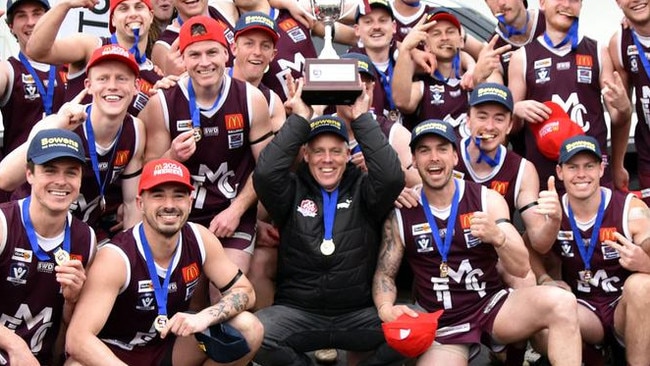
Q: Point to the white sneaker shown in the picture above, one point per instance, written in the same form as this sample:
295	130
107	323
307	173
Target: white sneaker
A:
326	356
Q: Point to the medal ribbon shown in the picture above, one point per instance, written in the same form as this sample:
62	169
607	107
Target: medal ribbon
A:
94	160
31	233
511	30
385	79
443	247
46	96
160	291
587	251
134	50
329	211
572	36
642	56
455	67
483	157
195	111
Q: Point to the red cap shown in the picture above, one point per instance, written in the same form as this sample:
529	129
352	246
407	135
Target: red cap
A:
191	32
412	336
113	4
550	134
162	171
113	52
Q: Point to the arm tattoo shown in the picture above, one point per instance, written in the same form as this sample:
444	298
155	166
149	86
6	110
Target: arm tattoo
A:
232	303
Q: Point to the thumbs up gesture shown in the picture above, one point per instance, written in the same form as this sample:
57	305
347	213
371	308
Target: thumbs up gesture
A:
548	202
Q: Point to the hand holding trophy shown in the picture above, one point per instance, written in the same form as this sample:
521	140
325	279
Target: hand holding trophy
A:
328	79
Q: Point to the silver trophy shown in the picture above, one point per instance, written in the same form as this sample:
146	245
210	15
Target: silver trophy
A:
328	79
327	11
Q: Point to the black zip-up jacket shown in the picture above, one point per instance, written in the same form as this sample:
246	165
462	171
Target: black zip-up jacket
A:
307	279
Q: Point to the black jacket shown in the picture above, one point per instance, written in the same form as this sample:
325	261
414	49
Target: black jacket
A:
308	279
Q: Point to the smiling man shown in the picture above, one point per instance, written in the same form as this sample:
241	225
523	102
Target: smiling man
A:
134	310
329	214
43	250
217	126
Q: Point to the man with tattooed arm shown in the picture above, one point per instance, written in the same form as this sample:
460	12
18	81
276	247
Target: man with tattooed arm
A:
134	309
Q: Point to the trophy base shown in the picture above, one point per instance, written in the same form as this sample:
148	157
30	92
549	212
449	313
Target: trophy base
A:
331	82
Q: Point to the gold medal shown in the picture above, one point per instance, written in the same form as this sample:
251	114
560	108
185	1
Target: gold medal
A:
393	115
160	323
197	134
444	270
586	274
327	247
61	256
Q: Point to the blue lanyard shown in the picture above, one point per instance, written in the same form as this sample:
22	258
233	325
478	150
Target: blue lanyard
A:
587	251
385	79
94	160
160	291
455	67
572	35
31	233
329	211
641	51
179	20
443	248
512	31
134	50
483	157
413	5
46	97
194	110
272	13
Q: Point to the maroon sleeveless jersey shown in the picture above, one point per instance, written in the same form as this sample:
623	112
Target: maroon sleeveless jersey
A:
32	304
573	81
472	264
223	159
129	327
630	58
294	46
444	100
405	24
539	26
111	165
607	274
22	106
505	178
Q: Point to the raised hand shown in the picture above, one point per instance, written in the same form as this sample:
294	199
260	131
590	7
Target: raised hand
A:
548	202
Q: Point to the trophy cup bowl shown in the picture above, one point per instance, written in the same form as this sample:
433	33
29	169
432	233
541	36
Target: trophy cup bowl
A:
328	79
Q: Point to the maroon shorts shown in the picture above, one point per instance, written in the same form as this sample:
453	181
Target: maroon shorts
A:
470	329
604	310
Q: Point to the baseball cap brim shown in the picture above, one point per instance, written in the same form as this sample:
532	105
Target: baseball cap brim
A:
412	336
273	34
132	65
443	15
223	343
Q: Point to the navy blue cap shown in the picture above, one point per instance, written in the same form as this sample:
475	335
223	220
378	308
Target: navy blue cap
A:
328	124
11	4
578	144
365	8
257	20
491	93
364	65
432	127
53	144
223	343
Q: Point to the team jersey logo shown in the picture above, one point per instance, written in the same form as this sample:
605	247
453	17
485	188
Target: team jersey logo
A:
437	94
22	255
543	70
234	122
190	273
308	208
500	186
424	243
18	273
146	302
293	30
